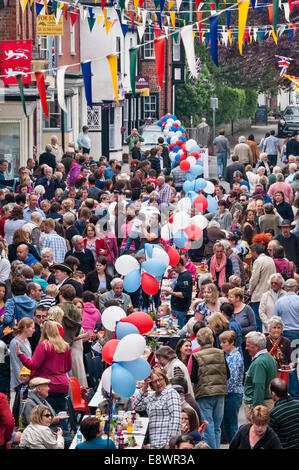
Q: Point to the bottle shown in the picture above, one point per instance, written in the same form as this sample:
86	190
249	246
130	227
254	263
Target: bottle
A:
158	322
130	426
133	414
98	413
155	326
79	435
121	441
170	321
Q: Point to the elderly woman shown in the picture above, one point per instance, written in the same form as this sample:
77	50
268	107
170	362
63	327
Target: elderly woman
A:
279	347
47	255
173	366
257	434
220	266
209	375
163	408
268	299
38	435
263	162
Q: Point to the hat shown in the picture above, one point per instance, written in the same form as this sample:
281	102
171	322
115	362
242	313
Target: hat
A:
38	381
178	388
291	283
61	267
25	371
93	162
285	223
70	150
237	231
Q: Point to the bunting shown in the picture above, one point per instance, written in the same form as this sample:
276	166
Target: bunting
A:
112	59
40	83
133	69
214	38
21	88
159	46
243	6
283	64
60	87
294	80
187	38
86	71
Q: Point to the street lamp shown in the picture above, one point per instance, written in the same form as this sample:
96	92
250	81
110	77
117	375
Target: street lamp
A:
214	106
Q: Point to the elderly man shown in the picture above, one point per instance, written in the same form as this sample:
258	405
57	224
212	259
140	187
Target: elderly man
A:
84	140
124	300
272	147
50	239
32	207
238	178
56	149
132	138
243	151
262	370
33	227
24	255
288	309
290	242
34	291
48	157
84	255
164	190
49	182
269	298
62	273
222	152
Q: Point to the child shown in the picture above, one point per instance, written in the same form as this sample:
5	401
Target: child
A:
136	232
50	298
224	291
91	315
237	220
152	178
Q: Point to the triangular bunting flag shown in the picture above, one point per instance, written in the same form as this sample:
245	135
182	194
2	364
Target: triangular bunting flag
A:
73	17
178	4
214	38
57	16
270	10
141	30
86	71
40	83
91	22
60	87
159	46
38	8
23	4
243	12
187	38
21	88
170	4
133	68
65	10
124	28
172	17
112	59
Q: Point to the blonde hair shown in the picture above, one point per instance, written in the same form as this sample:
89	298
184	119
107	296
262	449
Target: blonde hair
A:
36	415
235	281
205	336
237	292
51	337
52	290
212	287
67	204
229	336
217	322
25	322
55	314
159	373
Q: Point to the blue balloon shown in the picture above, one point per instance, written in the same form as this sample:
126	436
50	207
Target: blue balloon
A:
190	176
165	118
168	140
196	170
159	123
172	165
173	128
174	117
122	381
212	204
154	266
183	138
199	162
180	128
195	148
200	183
132	281
180	239
149	249
176	148
177	158
140	368
123	329
188	186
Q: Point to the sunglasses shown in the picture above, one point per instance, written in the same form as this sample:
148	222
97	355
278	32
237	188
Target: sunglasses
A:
40	316
48	415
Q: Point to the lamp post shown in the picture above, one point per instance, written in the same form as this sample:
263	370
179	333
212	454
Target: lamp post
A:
214	106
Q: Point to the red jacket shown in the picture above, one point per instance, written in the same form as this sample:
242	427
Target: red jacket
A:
6	421
100	245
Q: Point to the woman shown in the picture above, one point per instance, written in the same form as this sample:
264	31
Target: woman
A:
218	324
25	182
220	266
3	297
20	236
220	193
92	432
233	399
249	228
38	435
51	360
283	266
214	233
279	347
264	163
77	349
45	206
227	309
270	220
142	169
163	408
189	425
257	434
253	179
183	350
98	279
136	188
15	220
254	149
83	218
55	314
95	244
281	207
209	375
173	366
72	262
211	303
269	298
245	317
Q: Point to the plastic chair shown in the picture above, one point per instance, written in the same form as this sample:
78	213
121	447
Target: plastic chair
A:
94	368
79	404
202	427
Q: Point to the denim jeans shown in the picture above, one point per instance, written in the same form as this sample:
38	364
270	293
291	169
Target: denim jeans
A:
221	163
255	307
212	410
181	316
134	237
58	403
293	377
232	404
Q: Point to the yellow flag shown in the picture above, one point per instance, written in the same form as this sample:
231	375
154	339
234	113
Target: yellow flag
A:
274	36
243	12
108	26
23	4
112	59
100	18
136	3
61	6
170	4
172	18
31	1
230	37
46	7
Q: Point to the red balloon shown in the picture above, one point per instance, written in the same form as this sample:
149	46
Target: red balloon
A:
174	256
149	284
179	143
183	156
171	147
187	247
109	350
175	124
185	166
183	147
194	154
193	231
170	220
200	203
141	320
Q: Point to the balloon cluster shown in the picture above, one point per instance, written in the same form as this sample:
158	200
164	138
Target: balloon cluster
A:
123	353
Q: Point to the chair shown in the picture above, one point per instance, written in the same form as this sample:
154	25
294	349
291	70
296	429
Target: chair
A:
202	427
73	421
79	403
94	368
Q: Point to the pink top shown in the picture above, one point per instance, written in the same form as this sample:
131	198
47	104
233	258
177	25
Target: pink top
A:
285	188
126	230
189	366
110	240
91	315
49	364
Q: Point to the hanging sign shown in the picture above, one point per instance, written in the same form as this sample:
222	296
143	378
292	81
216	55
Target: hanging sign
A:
142	85
47	26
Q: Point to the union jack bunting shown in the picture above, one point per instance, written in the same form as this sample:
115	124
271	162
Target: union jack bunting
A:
283	64
197	65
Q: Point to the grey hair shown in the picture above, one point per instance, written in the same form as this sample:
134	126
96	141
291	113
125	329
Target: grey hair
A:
281	279
277	169
167	352
242	139
257	338
115	281
275	321
69	218
48	148
76	238
39	189
204	277
213	223
44	251
263	154
279	177
293	166
36	216
226	245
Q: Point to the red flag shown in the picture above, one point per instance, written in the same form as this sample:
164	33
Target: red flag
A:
213	6
198	2
291	5
40	83
73	17
159	46
103	3
157	31
65	10
15	59
141	2
270	9
294	28
132	18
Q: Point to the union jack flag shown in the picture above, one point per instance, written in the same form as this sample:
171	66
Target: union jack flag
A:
197	66
53	57
283	64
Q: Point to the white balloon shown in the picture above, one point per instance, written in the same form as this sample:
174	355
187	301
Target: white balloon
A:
106	379
191	160
111	315
161	255
166	232
190	143
210	188
181	220
171	134
200	221
130	348
169	122
178	122
174	139
180	152
125	264
179	133
184	204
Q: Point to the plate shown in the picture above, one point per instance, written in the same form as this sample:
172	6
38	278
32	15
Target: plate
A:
286	370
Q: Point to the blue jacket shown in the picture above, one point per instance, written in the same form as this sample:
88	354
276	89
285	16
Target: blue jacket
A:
30	260
17	308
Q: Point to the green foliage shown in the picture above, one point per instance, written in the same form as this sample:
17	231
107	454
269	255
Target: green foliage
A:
250	103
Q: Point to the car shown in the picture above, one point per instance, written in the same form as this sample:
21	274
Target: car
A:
151	133
288	122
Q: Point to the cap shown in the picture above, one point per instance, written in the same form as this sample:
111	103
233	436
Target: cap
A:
291	283
38	381
25	371
61	267
285	223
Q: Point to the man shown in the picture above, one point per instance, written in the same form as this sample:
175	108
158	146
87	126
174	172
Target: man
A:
84	140
288	309
48	157
237	263
30	165
84	255
272	147
56	149
281	185
109	171
243	151
49	182
291	176
179	177
152	232
238	178
155	161
292	147
290	242
234	204
165	155
271	245
164	190
69	229
262	370
24	255
33	227
136	152
284	417
40	315
244	200
124	300
222	151
262	269
132	138
234	166
222	216
93	191
34	291
32	207
181	294
62	273
50	239
20	305
3	168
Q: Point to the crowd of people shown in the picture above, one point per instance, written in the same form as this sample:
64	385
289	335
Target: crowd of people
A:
64	222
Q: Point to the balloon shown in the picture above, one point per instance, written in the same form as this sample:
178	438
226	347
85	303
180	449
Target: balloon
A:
123	329
166	232
181	220
142	321
196	170
194	154
174	256
149	248
212	204
140	368
161	255
149	284
180	239
106	379
176	148
195	148
184	204
184	165
191	160
111	315
130	348
193	231
174	139
188	186
200	183
179	142
200	221
200	203
109	349
122	381
132	281
170	220
183	156
190	143
210	188
189	176
125	264
177	157
159	123
154	266
187	247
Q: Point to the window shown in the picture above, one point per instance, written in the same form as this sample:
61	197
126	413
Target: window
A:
43	47
176	50
59	45
10	147
148	48
150	106
118	54
54	119
72	40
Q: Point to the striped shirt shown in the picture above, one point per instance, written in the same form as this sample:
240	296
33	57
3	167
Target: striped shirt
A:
284	420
